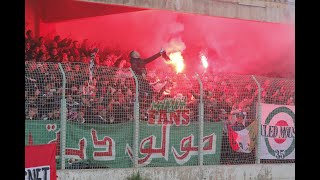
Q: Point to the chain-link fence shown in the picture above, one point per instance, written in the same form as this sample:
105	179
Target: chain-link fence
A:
43	89
277	120
102	117
169	119
231	100
99	116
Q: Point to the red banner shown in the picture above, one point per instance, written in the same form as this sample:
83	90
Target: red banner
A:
40	162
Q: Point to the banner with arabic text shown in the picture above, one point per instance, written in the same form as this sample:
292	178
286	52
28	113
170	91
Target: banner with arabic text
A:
110	145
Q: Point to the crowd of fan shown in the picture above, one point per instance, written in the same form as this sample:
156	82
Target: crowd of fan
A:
44	49
109	97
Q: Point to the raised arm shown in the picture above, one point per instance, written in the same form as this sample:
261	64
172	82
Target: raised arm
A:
152	58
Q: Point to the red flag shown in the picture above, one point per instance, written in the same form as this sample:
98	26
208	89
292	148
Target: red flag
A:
232	139
40	162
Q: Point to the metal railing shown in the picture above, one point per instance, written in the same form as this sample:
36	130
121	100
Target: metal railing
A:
120	120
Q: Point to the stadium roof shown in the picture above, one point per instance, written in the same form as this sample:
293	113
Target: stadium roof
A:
61	10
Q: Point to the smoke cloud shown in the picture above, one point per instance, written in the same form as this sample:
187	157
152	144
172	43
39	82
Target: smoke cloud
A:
231	45
175	45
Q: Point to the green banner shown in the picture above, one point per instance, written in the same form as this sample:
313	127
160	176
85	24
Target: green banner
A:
111	145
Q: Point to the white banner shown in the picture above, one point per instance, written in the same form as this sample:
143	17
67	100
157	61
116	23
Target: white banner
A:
40	172
277	133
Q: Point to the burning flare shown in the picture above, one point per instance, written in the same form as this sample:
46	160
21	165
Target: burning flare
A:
176	60
204	61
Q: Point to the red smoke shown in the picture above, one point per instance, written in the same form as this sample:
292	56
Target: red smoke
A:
232	45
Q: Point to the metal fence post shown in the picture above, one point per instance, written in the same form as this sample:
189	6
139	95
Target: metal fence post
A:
136	123
63	119
258	119
201	119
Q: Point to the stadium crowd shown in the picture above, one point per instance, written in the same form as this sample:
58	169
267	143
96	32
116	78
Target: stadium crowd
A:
109	97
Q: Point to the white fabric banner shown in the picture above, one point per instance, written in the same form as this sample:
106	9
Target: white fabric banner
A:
40	172
277	135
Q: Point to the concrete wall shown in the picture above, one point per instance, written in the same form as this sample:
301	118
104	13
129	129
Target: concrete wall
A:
219	172
259	10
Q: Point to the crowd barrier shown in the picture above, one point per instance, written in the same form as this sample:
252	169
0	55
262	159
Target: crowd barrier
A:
103	117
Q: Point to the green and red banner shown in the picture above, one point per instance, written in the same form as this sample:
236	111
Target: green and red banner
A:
111	145
40	162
